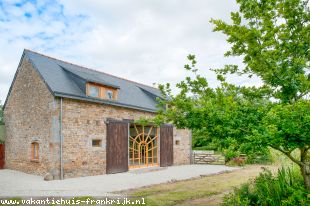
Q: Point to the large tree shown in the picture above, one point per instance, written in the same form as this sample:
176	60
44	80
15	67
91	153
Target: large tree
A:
273	38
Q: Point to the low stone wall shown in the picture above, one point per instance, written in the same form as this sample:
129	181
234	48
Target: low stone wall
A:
207	157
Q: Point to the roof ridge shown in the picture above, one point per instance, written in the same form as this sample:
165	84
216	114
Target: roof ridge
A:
84	67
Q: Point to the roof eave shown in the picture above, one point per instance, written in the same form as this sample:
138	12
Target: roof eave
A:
100	101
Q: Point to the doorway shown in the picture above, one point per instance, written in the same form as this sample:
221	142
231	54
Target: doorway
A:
143	146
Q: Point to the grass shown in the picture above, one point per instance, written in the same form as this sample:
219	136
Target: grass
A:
197	191
278	158
1	133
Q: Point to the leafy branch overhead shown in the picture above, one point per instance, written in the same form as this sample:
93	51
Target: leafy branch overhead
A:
273	38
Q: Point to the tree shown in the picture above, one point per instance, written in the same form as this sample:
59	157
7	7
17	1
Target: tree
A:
272	37
227	115
286	127
1	114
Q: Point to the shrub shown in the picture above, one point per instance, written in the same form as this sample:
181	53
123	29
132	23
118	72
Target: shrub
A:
240	161
286	188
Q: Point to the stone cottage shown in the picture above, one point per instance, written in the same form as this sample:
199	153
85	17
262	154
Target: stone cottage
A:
71	121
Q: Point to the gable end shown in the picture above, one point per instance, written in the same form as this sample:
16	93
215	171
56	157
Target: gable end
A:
25	57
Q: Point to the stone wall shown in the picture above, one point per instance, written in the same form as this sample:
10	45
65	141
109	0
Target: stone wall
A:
83	122
182	144
207	157
28	117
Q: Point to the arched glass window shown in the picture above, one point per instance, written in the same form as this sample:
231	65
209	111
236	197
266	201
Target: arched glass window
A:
35	151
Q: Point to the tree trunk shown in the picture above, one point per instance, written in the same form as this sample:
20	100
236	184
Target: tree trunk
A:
305	167
305	171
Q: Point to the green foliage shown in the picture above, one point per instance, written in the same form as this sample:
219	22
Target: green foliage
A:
224	118
286	188
273	38
1	114
2	133
287	126
231	148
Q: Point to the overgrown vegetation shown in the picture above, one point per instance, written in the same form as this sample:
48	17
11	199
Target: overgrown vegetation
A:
285	188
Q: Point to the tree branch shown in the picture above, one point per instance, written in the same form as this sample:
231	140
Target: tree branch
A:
289	155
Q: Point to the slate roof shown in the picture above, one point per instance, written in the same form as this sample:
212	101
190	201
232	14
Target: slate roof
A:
68	80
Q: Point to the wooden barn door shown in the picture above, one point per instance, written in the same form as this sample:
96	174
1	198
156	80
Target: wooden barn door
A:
166	145
117	147
1	156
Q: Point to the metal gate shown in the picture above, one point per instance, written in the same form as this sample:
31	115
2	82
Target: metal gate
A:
2	156
117	147
166	145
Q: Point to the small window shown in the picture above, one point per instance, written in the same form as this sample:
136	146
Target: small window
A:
109	94
177	142
94	91
35	151
96	143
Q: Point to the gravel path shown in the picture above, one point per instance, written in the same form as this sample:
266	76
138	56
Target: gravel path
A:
14	183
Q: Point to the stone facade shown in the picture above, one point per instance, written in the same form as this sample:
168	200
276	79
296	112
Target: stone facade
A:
83	122
28	116
32	113
182	144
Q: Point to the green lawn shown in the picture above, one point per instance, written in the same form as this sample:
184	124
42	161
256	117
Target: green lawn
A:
1	133
207	190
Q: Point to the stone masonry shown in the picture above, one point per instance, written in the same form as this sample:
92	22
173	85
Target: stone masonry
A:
182	144
207	157
29	115
33	114
83	122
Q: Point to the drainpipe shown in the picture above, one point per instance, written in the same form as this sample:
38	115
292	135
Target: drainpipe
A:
61	143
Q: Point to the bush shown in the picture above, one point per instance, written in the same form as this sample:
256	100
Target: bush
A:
231	148
286	188
239	161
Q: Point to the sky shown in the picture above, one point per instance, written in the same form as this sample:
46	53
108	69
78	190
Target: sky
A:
144	41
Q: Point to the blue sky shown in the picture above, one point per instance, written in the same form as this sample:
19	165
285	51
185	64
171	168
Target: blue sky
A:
146	41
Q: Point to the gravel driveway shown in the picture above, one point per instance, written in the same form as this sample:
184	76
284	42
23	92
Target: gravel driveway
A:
14	183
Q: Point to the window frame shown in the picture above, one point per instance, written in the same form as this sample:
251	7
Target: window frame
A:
35	149
107	91
96	146
94	86
103	90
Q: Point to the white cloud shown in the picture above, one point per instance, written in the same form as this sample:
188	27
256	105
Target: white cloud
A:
146	41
